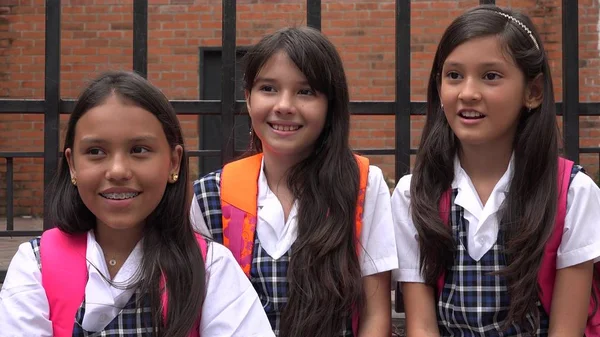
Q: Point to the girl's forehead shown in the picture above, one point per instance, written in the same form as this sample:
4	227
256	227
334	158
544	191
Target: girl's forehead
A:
116	120
481	51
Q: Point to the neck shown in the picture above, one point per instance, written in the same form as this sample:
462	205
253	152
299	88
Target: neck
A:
277	168
485	162
118	242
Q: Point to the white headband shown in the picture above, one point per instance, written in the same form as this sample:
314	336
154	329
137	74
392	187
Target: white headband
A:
519	23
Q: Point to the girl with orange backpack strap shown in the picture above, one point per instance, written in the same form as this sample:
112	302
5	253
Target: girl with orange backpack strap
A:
124	259
499	234
307	219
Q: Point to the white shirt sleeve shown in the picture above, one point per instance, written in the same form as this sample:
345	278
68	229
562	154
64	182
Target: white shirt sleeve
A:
24	309
379	244
197	219
232	307
406	235
581	236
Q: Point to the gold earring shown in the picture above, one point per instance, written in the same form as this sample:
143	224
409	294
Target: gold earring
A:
74	181
174	177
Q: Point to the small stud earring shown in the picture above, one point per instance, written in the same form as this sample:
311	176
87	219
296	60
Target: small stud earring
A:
74	181
174	177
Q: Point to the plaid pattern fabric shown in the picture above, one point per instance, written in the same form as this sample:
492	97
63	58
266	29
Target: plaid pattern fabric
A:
473	302
267	275
207	191
35	245
134	319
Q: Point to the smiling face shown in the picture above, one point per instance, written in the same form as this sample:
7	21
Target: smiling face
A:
287	114
483	92
122	162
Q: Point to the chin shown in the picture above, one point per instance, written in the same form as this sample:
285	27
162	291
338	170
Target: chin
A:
121	225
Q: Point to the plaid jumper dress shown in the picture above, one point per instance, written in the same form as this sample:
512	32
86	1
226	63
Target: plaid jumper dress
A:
473	302
132	320
267	275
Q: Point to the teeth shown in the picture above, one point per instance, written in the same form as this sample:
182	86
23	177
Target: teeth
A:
119	196
471	114
285	127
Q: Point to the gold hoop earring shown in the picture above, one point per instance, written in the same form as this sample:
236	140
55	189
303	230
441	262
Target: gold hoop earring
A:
74	181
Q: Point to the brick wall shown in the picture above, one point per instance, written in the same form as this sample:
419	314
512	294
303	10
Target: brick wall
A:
96	35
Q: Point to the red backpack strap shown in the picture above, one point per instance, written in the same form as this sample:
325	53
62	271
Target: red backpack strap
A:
547	272
64	276
195	332
444	208
239	194
363	167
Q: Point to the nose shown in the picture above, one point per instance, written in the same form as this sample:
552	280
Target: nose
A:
470	90
119	168
285	103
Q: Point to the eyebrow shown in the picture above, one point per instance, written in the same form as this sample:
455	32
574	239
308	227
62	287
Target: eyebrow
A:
97	140
272	80
484	65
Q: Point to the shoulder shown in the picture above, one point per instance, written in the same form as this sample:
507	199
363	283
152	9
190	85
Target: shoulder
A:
218	257
402	188
581	181
376	178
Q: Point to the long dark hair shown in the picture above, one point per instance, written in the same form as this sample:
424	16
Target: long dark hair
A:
324	274
527	215
169	245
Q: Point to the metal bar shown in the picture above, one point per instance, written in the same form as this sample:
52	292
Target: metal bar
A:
228	80
9	195
17	234
570	62
212	107
402	104
140	37
313	14
487	2
52	95
22	154
203	153
23	106
376	152
589	150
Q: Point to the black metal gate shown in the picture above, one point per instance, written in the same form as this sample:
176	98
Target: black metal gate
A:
402	108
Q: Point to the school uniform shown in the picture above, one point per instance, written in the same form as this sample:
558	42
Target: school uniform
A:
231	306
275	236
472	302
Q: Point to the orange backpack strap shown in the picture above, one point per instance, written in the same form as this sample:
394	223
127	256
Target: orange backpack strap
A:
239	194
363	167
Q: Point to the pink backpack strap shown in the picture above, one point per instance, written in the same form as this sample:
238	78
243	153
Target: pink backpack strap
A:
547	273
203	248
64	271
444	208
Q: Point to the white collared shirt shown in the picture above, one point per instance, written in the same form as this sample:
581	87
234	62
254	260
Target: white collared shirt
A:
231	307
581	235
277	235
